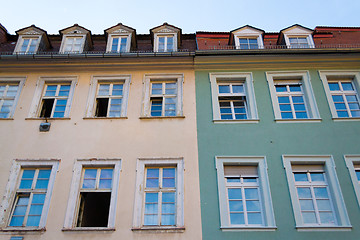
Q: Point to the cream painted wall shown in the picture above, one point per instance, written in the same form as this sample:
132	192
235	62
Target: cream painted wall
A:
127	139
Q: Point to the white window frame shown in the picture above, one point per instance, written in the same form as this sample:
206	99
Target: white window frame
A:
265	196
66	37
72	207
141	165
36	104
20	81
166	35
120	36
308	38
146	102
309	97
340	212
11	190
227	77
351	161
20	42
95	80
354	74
256	36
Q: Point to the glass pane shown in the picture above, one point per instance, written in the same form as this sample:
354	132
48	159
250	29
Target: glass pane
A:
280	88
295	88
33	221
152	178
342	114
286	115
36	209
151	208
321	192
38	198
354	106
106	173
104	89
301	115
253	206
16	221
64	90
20	210
317	177
283	99
234	193
169	177
161	44
334	86
309	217
42	184
285	107
250	179
168	197
50	90
306	205
298	99
355	113
27	179
170	44
89	183
44	173
337	98
105	183
254	218
168	220
304	192
358	174
236	179
168	208
90	173
351	98
299	107
12	90
150	220
323	205
251	193
224	88
236	206
238	88
347	86
115	43
123	44
327	217
117	90
151	197
170	88
237	218
156	88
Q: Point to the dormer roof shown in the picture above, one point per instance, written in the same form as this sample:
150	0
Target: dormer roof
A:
166	28
35	31
77	29
246	30
122	29
295	29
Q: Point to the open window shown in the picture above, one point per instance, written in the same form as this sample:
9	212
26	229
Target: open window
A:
233	97
26	204
162	95
92	203
108	96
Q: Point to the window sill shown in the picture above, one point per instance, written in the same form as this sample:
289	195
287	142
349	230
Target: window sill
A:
169	117
42	119
158	229
247	228
323	228
23	229
237	121
92	118
87	229
6	118
337	119
311	120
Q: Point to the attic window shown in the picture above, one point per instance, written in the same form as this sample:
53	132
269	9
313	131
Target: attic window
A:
73	45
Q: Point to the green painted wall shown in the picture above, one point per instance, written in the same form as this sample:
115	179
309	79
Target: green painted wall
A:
271	139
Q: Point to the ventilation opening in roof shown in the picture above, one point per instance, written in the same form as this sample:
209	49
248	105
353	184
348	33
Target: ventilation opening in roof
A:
94	209
46	108
101	107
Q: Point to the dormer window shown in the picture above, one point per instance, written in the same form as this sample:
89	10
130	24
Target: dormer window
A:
166	44
75	39
297	36
166	38
246	38
73	44
31	40
120	38
29	45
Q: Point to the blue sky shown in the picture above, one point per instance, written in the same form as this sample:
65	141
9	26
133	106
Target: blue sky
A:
190	15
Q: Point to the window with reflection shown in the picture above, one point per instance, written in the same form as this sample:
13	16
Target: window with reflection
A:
232	101
30	197
8	93
166	44
248	43
163	99
243	195
313	194
160	196
119	44
94	197
345	98
290	97
54	100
